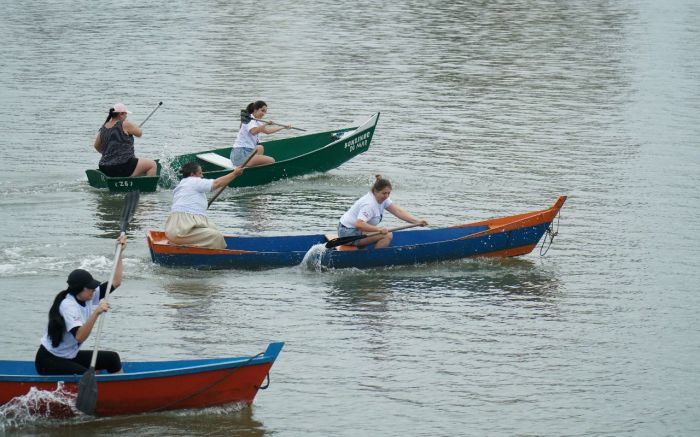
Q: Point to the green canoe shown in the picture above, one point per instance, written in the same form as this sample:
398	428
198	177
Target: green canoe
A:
145	184
295	156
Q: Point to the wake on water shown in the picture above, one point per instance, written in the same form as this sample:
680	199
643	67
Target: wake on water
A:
37	406
312	259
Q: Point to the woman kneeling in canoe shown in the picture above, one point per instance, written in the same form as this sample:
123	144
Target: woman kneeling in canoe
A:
115	141
367	212
248	138
71	319
188	224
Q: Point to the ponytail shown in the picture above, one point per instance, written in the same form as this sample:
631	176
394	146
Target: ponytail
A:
111	114
380	183
56	323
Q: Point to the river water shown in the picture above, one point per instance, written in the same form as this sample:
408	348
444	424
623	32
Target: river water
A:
488	108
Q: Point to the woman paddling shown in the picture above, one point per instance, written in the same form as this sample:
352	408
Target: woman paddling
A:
248	138
367	212
71	319
115	141
188	223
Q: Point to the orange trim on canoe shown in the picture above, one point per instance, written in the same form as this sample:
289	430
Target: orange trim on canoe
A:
160	244
512	222
513	251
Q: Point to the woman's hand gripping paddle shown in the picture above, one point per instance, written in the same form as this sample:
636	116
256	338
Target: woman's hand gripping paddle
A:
87	387
345	240
224	187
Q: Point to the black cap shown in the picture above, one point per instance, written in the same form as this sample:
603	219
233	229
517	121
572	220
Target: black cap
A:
79	279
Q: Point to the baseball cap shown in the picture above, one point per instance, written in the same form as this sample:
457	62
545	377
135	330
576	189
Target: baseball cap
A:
79	279
120	107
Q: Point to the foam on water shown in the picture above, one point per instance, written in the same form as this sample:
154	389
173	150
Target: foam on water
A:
37	406
312	259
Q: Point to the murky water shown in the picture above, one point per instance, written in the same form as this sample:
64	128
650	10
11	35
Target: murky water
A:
487	109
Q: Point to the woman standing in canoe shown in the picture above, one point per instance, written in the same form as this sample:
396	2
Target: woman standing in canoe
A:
115	141
248	137
188	223
367	212
71	319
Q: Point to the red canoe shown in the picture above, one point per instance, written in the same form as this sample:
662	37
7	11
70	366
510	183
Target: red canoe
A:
145	386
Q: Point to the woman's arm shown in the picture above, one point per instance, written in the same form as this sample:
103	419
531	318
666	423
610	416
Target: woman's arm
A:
83	331
404	215
366	227
267	129
226	179
131	129
98	143
120	265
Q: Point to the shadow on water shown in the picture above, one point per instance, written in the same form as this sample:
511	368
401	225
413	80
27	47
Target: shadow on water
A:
512	278
108	212
232	420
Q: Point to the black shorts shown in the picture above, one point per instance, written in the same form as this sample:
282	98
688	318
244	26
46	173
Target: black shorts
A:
120	170
47	363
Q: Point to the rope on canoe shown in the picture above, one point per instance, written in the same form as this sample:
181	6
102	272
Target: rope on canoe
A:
549	235
207	387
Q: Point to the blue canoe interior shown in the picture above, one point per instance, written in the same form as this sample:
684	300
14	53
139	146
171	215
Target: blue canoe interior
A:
24	371
507	236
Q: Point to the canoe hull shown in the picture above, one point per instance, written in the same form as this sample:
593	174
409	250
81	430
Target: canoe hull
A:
200	384
501	237
296	156
144	184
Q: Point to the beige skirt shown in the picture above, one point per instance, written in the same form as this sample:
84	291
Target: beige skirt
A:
193	230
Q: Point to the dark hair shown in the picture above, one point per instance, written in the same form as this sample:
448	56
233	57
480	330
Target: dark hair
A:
188	169
111	114
56	323
254	106
380	183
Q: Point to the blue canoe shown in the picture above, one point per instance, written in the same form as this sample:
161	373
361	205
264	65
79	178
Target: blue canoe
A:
501	237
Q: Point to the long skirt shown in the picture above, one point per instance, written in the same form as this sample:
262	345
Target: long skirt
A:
193	230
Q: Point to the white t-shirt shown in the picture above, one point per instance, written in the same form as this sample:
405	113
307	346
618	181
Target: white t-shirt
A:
74	315
366	209
245	139
190	195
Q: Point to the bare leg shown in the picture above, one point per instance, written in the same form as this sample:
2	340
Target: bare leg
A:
145	166
380	240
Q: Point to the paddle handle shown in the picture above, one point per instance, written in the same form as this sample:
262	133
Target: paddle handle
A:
278	124
101	320
398	228
221	190
149	115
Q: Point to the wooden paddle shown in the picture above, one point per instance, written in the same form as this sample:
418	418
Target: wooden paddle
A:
149	115
345	240
224	187
87	387
246	117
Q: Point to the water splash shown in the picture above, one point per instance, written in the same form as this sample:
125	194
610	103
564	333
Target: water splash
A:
36	406
312	258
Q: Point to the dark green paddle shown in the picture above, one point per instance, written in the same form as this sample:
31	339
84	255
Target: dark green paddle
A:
345	240
246	117
221	190
87	387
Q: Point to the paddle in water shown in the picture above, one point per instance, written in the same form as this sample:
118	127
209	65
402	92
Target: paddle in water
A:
87	387
345	240
246	117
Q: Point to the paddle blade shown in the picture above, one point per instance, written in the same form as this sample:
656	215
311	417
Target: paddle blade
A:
245	116
343	240
87	392
131	201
